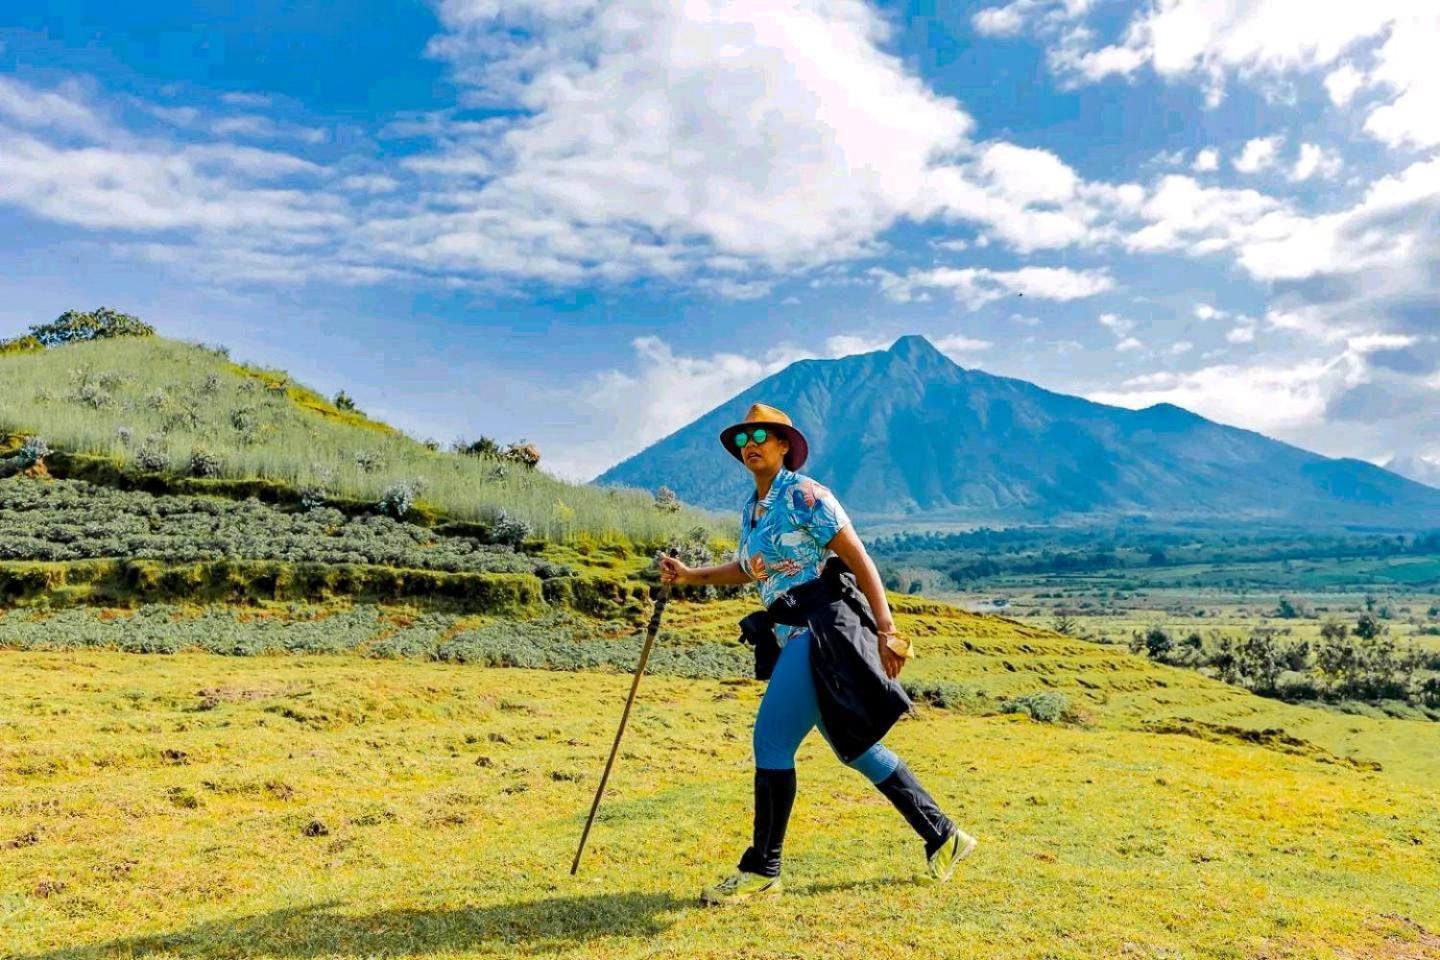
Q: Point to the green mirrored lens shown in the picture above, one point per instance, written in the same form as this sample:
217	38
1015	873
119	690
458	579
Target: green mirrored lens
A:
760	435
741	439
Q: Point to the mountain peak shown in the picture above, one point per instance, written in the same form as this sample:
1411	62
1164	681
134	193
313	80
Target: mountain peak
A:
915	348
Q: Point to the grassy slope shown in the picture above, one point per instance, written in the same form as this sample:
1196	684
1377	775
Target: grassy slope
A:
287	433
1098	841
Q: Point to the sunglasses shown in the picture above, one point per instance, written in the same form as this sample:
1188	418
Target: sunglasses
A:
759	435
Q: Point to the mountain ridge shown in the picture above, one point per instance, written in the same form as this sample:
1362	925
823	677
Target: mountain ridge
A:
906	433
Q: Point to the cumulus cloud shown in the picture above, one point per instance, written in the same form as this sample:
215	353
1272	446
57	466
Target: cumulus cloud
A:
1210	41
1207	160
976	286
1314	159
1258	154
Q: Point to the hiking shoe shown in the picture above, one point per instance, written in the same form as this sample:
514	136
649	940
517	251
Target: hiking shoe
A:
741	886
957	847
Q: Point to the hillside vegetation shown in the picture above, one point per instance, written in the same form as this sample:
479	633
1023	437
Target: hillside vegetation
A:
158	407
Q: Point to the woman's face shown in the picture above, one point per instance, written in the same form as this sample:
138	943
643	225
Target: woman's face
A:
765	458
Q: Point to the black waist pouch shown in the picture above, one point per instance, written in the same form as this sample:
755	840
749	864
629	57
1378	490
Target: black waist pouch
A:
758	630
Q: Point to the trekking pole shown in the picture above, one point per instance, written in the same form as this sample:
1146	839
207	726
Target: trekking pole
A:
650	631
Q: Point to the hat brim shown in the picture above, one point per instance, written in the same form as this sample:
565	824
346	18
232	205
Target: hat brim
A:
794	458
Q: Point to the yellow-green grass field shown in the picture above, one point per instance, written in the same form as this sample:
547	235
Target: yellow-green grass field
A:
192	805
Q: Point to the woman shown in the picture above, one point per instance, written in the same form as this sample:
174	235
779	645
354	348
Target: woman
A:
788	528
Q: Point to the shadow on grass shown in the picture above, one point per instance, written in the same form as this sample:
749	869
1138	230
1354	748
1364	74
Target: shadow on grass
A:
321	930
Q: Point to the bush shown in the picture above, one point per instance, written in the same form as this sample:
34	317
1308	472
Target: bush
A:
32	451
944	694
203	463
397	500
74	326
510	531
666	501
151	456
1046	707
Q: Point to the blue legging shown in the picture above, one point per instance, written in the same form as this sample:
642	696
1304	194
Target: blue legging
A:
789	709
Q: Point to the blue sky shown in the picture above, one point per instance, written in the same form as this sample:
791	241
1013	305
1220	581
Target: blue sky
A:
586	222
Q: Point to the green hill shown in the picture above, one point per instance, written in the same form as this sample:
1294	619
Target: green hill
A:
156	407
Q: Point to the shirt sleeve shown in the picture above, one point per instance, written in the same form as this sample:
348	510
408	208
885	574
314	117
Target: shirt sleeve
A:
817	511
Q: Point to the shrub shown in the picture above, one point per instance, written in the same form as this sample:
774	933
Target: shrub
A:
203	463
1046	707
510	531
151	456
397	500
523	453
944	694
74	326
666	501
343	401
32	451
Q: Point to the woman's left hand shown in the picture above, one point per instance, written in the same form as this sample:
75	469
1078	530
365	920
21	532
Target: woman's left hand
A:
890	660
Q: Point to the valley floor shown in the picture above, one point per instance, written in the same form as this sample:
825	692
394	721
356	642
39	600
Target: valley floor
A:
200	806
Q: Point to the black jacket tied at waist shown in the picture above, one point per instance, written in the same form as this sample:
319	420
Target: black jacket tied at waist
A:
858	702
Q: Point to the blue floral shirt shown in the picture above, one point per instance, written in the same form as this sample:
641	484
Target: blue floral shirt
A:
783	536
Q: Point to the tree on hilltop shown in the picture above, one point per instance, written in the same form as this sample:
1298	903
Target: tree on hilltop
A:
76	326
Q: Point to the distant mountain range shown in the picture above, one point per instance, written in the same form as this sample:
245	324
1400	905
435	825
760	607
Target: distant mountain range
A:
906	434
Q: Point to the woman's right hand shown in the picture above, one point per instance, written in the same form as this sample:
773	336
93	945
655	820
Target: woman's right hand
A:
672	570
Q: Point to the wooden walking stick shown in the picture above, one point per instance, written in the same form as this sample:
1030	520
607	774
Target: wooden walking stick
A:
650	631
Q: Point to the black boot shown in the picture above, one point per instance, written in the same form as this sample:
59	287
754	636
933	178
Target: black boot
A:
774	796
917	806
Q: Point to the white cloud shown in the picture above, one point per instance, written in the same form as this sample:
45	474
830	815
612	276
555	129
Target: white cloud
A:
1128	344
1116	324
1314	159
1343	83
1259	154
1204	311
204	188
256	127
1207	160
61	109
959	345
999	21
1265	41
1241	333
975	286
1265	398
1181	347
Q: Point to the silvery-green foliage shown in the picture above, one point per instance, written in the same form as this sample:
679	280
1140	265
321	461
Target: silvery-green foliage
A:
33	450
397	500
68	520
204	463
509	530
92	395
210	385
560	641
157	399
151	455
125	435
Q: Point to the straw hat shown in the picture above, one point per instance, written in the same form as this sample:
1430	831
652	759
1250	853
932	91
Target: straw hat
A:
764	415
